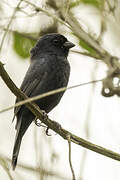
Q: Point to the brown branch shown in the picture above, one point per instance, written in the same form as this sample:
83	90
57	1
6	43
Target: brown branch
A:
86	54
52	124
70	161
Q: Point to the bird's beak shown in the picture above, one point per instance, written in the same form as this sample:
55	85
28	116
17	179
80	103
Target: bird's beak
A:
68	44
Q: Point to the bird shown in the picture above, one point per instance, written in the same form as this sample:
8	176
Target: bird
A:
49	70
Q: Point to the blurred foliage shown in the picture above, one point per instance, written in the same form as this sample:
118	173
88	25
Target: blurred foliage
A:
50	28
22	44
85	46
97	3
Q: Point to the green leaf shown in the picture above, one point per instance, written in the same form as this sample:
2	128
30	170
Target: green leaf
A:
22	44
97	3
85	46
75	3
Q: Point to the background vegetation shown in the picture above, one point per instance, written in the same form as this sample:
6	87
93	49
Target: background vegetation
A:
88	111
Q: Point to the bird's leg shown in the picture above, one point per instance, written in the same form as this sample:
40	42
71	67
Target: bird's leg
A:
45	117
38	122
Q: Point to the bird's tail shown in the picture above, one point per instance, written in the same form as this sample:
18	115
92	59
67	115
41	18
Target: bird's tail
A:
16	151
17	144
21	127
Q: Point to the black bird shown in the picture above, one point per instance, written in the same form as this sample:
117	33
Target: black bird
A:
49	70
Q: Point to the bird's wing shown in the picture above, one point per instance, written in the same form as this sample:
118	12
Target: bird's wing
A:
32	80
28	90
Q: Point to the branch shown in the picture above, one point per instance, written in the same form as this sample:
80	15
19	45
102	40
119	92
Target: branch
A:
70	161
52	124
5	167
86	54
38	9
77	30
15	10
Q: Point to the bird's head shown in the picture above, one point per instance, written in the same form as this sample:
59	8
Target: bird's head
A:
52	43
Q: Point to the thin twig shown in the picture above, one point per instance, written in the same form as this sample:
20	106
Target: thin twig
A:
12	17
47	94
26	35
85	54
47	13
33	169
5	167
67	8
70	161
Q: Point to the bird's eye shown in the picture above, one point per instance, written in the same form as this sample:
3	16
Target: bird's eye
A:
55	41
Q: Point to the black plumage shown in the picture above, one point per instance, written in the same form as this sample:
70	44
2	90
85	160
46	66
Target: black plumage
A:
49	70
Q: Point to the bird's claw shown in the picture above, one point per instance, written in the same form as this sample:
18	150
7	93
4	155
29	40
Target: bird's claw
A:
47	131
57	126
45	117
39	123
